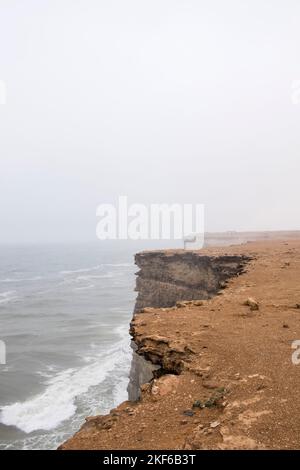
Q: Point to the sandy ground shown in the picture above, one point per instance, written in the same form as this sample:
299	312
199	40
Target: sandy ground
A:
237	363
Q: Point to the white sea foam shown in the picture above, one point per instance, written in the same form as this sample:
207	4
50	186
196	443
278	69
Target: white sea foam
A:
25	279
94	276
48	373
58	402
85	278
90	286
119	265
82	270
7	296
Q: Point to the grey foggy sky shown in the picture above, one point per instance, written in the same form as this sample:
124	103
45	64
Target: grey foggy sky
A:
162	101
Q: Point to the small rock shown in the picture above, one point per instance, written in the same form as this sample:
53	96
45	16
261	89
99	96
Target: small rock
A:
184	421
181	304
210	385
261	387
202	372
130	411
252	303
197	404
89	418
145	387
165	385
188	413
107	426
215	424
198	303
285	325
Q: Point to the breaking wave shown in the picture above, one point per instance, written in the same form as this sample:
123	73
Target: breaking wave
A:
57	402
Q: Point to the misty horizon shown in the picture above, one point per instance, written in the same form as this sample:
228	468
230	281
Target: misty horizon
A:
168	102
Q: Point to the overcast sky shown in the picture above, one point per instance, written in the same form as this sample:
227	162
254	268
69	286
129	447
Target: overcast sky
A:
162	101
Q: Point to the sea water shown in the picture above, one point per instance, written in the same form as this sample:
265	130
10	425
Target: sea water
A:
64	317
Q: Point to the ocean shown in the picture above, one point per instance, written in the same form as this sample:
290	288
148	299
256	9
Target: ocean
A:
64	317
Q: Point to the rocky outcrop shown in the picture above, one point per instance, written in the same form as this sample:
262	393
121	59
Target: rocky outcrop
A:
141	372
166	277
172	279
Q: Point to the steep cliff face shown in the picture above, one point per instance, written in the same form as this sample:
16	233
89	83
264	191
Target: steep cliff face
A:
166	277
141	372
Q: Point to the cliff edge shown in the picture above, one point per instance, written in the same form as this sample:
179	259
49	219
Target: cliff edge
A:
217	330
166	277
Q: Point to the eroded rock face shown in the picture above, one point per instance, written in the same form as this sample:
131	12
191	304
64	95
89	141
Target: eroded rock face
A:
168	277
150	354
173	279
141	372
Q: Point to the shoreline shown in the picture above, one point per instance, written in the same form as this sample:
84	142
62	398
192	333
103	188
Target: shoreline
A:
226	374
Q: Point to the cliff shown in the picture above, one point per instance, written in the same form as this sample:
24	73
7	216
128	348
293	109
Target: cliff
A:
219	373
166	277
